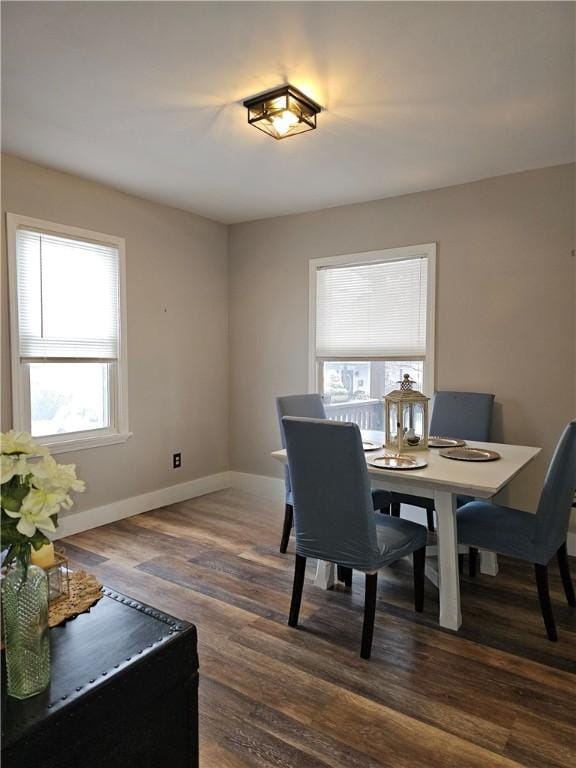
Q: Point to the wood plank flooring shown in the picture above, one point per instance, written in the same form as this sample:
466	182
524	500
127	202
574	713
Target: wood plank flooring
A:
495	694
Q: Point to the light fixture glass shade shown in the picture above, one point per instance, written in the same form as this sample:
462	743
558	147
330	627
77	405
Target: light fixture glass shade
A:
282	112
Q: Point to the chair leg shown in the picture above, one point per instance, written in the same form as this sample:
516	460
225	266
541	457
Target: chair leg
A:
287	527
541	572
344	574
369	614
419	564
564	566
430	519
395	509
299	572
472	561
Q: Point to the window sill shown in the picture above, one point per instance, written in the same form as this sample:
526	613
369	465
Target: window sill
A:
81	443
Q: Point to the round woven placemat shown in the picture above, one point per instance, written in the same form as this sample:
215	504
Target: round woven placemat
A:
85	591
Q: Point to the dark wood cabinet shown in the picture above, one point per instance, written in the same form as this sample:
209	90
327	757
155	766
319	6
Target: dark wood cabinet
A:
124	694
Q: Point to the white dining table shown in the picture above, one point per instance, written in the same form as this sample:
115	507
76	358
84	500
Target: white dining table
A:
443	480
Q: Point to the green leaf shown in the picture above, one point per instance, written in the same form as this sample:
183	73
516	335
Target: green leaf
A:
11	536
21	491
11	504
13	494
38	540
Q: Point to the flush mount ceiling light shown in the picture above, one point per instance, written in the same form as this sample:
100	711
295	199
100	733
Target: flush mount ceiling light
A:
282	112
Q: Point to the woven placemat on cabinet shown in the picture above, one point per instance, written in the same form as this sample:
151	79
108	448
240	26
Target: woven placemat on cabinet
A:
85	591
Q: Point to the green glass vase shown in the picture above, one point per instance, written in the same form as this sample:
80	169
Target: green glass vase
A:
25	616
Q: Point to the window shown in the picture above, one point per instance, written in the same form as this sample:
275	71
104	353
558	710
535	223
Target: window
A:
67	334
371	321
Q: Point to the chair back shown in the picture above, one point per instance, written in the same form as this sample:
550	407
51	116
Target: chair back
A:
333	511
553	514
464	415
309	406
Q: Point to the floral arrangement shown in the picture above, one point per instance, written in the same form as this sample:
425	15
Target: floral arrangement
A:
34	487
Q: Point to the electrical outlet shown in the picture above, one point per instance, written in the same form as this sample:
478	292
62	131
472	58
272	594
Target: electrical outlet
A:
176	460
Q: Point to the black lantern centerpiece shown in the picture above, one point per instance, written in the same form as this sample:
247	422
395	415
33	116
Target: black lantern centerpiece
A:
406	418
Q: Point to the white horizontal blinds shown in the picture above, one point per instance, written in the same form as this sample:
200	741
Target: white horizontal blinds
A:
68	304
372	310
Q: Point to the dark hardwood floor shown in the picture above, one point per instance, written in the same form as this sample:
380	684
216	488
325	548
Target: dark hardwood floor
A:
497	693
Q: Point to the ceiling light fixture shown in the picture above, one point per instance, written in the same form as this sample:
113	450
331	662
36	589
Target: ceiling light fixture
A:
282	112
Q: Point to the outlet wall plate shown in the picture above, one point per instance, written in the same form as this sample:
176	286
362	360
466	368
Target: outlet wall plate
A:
176	460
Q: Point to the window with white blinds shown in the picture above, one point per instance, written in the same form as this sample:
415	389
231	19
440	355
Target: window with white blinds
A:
68	334
371	323
372	310
68	302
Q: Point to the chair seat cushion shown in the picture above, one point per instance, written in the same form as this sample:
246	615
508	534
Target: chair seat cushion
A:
500	529
398	537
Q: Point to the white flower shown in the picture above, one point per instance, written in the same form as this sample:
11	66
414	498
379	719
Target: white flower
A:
46	483
48	475
13	465
35	511
21	442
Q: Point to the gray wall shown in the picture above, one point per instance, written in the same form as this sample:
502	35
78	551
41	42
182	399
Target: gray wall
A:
177	330
505	314
505	304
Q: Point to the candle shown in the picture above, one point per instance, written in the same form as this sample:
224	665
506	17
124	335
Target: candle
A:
44	557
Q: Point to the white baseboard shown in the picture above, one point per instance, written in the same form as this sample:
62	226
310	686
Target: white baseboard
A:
118	510
260	485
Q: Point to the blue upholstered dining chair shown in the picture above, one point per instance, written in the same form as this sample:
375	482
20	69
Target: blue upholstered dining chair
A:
334	516
535	538
309	406
463	415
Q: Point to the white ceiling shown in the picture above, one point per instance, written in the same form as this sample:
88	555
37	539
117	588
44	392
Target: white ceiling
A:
146	96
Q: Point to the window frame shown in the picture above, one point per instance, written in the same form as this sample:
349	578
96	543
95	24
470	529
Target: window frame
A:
118	431
427	250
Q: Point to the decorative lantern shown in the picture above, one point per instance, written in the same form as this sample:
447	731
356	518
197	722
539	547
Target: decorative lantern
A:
58	577
406	418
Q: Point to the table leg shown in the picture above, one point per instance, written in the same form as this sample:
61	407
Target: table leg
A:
448	576
488	560
488	563
324	575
